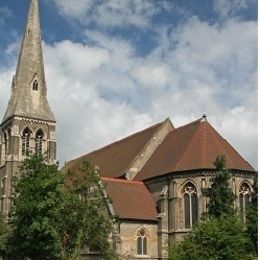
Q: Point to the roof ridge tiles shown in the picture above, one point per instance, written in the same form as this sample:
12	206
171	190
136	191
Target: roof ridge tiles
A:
189	124
230	145
122	180
118	141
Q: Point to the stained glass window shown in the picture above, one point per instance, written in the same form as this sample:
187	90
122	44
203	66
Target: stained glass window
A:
38	142
190	205
26	142
244	199
141	242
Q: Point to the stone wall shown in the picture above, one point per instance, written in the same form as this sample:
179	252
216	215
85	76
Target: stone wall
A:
127	248
168	192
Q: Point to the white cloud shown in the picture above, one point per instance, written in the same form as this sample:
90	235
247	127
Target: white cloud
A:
72	9
226	8
112	13
5	13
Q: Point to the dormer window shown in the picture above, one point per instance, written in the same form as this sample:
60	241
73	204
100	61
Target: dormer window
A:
35	85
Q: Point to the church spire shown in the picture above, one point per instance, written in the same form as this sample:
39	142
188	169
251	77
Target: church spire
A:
29	92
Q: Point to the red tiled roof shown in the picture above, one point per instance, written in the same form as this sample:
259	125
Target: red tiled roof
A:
114	159
190	147
130	199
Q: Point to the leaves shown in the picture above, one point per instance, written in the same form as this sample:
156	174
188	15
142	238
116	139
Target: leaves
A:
220	195
217	238
49	219
252	217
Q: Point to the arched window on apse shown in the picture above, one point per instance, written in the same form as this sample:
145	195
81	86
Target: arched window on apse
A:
244	199
26	142
142	242
9	141
35	85
5	144
3	184
190	205
38	142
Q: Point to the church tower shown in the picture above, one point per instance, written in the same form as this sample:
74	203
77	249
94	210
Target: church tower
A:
28	125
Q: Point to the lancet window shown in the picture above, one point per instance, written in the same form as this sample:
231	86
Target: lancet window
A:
26	142
190	205
38	142
5	144
244	199
141	242
3	186
35	85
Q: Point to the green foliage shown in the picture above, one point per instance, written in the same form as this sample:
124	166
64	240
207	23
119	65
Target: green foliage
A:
214	239
4	232
36	212
91	225
49	219
220	195
252	217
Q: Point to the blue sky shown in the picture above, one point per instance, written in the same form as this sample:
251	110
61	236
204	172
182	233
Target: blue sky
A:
114	67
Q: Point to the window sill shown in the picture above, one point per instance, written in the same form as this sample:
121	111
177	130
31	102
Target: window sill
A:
142	256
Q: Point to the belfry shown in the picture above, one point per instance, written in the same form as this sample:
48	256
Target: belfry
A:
28	125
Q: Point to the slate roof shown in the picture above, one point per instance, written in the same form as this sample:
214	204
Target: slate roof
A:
191	147
130	199
114	159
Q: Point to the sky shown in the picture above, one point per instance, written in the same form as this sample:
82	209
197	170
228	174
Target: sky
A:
114	67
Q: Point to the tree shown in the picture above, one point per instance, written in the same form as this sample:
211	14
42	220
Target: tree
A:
91	225
220	195
49	219
35	215
221	234
215	238
252	217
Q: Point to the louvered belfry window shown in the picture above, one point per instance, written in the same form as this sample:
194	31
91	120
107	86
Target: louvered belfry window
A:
26	142
38	142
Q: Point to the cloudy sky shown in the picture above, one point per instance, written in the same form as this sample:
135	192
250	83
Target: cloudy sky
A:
114	67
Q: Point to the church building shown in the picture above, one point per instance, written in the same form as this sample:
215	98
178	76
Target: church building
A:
153	177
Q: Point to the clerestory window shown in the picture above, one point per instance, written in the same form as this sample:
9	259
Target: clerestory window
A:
244	199
38	142
141	242
190	205
26	142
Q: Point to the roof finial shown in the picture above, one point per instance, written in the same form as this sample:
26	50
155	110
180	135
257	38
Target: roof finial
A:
204	117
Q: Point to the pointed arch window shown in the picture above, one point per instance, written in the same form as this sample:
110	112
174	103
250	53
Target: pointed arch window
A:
5	144
141	242
8	142
190	205
26	142
38	142
35	85
3	185
244	199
